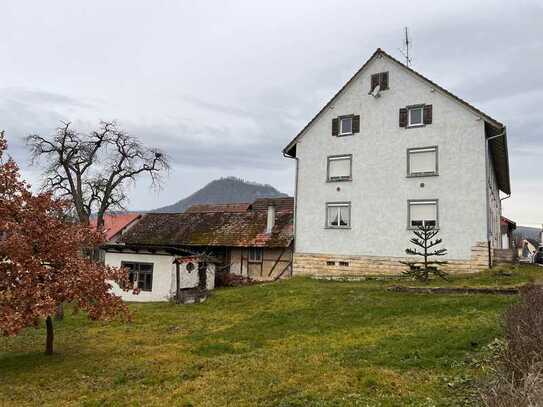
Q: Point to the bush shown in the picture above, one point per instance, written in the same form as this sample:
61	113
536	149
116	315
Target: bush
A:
518	370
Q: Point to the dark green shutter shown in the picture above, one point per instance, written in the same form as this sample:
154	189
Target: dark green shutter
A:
356	124
427	114
335	127
383	76
374	81
403	117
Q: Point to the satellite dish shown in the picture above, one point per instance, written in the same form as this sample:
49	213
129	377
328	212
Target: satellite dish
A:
376	91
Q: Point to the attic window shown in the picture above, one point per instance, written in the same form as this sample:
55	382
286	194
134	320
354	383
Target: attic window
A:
379	79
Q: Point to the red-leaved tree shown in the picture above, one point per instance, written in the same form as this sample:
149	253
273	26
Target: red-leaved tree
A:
42	261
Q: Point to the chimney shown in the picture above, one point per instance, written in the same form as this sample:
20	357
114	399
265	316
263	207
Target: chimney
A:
271	218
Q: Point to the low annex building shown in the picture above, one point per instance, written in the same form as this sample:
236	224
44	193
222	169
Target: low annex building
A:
249	239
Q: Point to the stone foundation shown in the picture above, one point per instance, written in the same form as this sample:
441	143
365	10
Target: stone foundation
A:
341	265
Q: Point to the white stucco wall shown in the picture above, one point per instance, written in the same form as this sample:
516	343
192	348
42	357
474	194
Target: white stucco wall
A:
380	189
163	276
164	280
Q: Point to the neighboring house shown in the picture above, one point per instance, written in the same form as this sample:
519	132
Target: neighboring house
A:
253	240
115	224
390	151
507	228
527	249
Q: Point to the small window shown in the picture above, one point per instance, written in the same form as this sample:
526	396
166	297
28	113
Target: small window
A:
338	215
330	263
140	275
415	115
345	125
422	213
379	79
339	168
255	254
344	263
422	161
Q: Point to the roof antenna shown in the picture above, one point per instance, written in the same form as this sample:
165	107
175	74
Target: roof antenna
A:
405	51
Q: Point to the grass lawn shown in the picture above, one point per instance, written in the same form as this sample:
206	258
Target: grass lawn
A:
292	343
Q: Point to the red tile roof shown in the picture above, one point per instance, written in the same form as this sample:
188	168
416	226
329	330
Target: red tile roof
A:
226	229
115	223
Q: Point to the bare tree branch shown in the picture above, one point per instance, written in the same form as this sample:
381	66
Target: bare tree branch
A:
94	170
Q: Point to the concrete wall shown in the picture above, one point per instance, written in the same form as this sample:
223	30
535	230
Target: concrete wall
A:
380	189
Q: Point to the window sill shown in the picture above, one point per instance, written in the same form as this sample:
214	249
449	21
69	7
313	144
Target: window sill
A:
414	126
345	135
416	228
423	174
339	180
338	227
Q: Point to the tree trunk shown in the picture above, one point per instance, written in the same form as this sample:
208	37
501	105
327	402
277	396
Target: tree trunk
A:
59	313
50	336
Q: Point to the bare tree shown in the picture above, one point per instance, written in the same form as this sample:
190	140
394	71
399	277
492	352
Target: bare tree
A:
93	170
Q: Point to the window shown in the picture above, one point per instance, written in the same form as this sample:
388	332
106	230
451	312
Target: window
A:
338	215
415	115
379	79
345	125
255	254
422	213
421	161
339	168
140	275
330	263
344	263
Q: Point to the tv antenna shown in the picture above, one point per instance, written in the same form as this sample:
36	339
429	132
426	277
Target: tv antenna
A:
405	50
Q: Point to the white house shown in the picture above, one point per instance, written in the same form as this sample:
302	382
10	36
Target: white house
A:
390	151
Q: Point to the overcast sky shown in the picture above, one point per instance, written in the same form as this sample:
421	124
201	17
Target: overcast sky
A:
223	86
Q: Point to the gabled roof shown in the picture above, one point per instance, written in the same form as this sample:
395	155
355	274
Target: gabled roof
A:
115	223
281	204
499	146
225	229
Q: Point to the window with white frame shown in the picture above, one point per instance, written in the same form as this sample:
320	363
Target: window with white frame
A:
255	254
345	125
422	213
338	215
422	161
339	168
415	116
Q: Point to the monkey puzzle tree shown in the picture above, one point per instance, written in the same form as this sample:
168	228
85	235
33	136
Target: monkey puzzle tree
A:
421	270
42	261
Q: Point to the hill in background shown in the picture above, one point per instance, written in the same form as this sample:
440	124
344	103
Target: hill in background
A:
224	190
